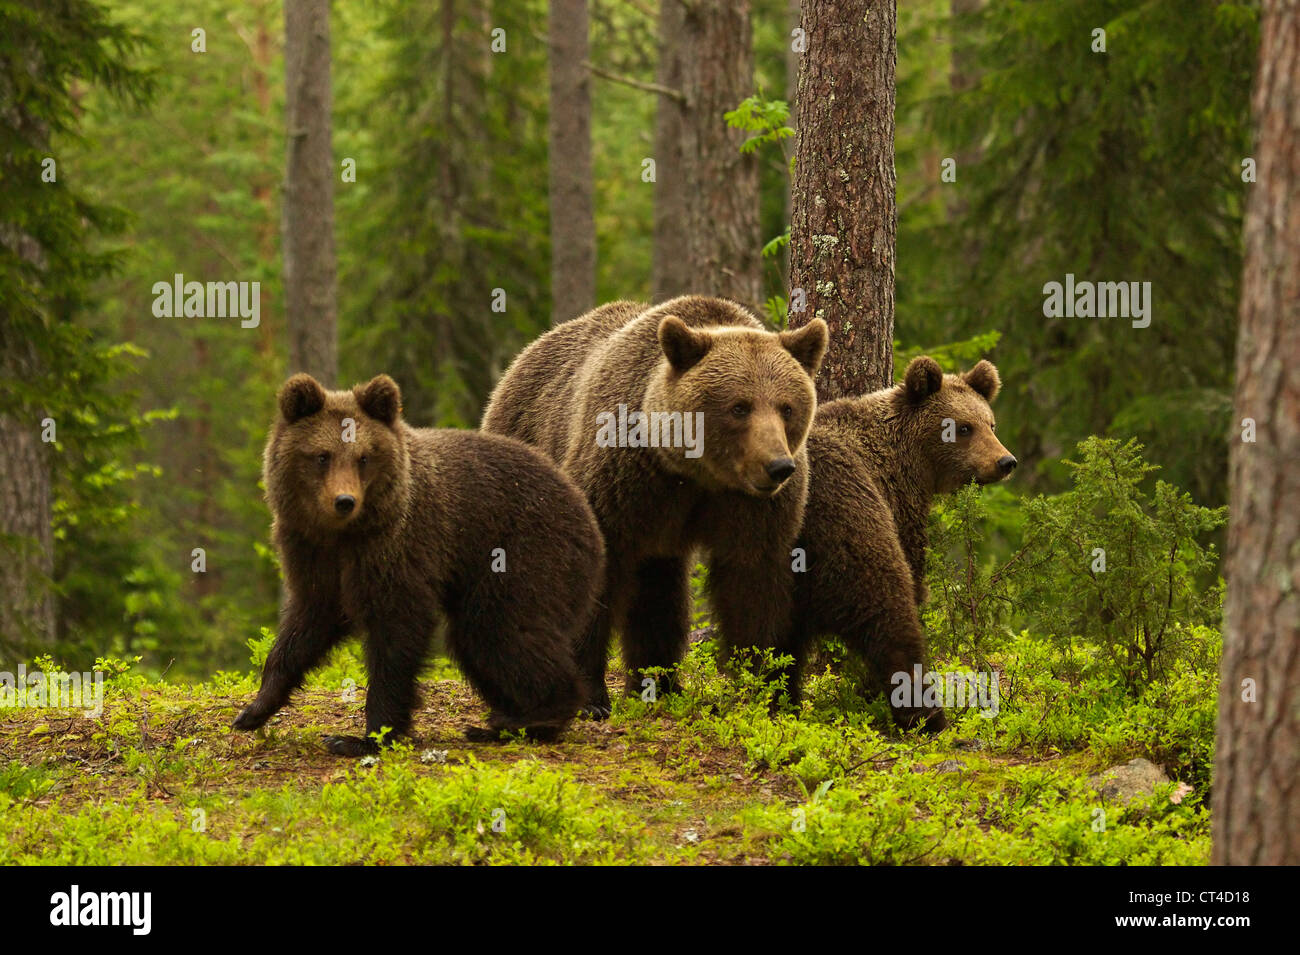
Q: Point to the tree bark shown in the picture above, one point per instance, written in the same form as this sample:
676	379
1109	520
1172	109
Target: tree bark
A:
792	56
309	263
707	237
844	226
573	222
26	514
668	268
1257	756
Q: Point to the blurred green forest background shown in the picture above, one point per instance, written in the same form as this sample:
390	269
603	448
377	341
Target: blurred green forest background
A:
1112	168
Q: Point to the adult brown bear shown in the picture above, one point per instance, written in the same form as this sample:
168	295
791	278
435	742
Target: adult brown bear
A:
684	424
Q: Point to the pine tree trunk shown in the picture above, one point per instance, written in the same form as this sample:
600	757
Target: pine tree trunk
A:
309	264
844	224
793	16
573	224
26	519
1257	757
707	236
669	275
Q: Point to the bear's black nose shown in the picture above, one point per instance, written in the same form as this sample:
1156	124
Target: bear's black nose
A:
1006	464
344	503
780	469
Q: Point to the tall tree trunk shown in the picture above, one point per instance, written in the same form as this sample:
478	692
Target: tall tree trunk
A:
1257	757
26	515
706	218
309	265
573	222
845	219
669	273
27	608
792	56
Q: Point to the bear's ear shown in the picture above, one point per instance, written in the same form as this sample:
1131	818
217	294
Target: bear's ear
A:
380	398
984	378
922	379
807	345
300	397
683	347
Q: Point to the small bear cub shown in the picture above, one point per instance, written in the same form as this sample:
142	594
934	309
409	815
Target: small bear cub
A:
390	530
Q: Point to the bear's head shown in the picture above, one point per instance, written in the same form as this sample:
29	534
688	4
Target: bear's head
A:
952	425
752	392
337	460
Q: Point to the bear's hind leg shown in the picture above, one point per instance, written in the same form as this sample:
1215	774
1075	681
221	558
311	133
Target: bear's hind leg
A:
527	676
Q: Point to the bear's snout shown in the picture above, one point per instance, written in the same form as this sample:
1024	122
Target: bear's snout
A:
1006	464
780	469
344	503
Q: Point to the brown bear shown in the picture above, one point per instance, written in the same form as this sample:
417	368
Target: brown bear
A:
386	528
877	462
684	424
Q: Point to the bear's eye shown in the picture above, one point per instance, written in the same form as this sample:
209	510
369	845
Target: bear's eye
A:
964	430
363	460
740	410
993	426
787	412
322	458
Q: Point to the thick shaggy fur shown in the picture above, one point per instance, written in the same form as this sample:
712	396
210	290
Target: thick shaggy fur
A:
419	543
741	501
877	463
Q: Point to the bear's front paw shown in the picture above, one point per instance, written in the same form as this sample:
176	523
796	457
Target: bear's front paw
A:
595	711
351	746
252	717
928	721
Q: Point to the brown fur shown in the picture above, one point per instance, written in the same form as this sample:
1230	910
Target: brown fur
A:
656	506
877	463
430	506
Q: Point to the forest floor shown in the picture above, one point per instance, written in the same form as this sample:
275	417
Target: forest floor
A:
704	777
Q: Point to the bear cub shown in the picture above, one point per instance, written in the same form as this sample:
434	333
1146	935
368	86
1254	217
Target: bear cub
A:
877	462
389	529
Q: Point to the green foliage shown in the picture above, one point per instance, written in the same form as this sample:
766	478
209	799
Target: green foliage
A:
972	595
952	357
1126	572
52	368
767	121
1107	564
1065	157
428	319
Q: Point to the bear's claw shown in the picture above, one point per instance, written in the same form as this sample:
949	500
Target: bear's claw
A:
351	746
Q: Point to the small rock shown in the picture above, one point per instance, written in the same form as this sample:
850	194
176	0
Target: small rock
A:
950	766
1135	779
972	745
691	836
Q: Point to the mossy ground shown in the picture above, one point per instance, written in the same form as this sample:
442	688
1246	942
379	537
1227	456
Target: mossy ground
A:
707	776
